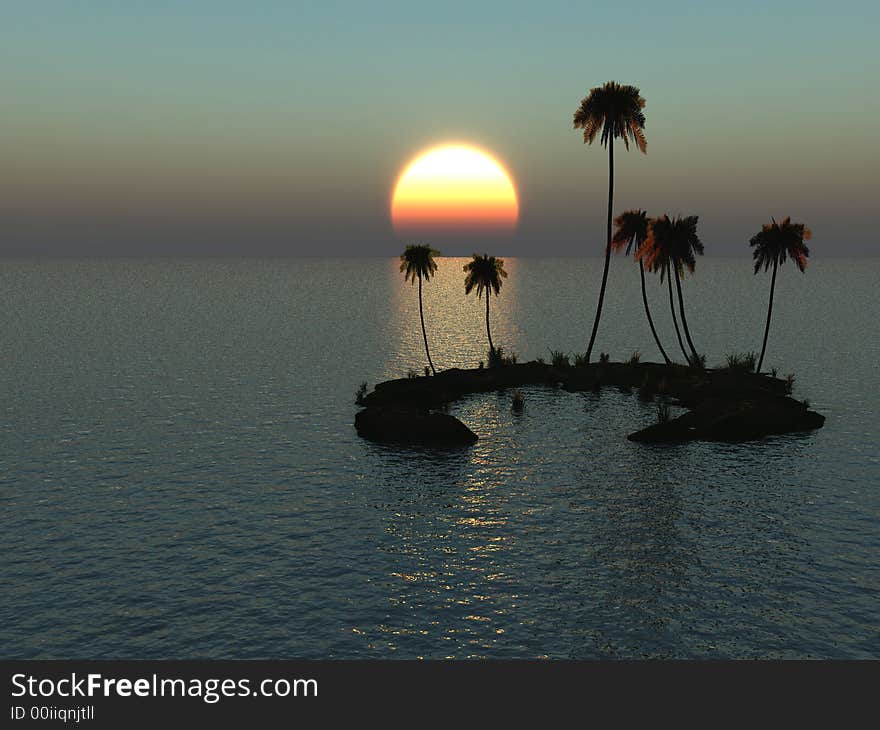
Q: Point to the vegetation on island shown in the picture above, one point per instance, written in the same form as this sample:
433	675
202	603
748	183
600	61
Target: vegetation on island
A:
418	262
484	274
662	245
775	243
672	246
632	233
611	111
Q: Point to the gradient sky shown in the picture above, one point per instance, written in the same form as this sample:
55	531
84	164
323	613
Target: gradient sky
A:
157	128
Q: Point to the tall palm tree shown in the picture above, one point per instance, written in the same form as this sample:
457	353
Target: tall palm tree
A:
417	262
773	245
674	243
610	111
485	272
632	232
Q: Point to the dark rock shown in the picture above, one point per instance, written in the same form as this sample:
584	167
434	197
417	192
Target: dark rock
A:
756	419
726	420
412	425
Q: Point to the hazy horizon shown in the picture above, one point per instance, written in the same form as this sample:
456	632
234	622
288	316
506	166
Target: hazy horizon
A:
215	129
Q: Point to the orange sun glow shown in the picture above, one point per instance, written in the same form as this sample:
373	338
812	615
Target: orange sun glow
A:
454	187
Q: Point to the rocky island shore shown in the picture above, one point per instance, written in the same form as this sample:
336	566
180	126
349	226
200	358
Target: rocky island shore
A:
725	404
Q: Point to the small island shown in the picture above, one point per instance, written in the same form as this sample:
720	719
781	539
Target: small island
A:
728	404
735	403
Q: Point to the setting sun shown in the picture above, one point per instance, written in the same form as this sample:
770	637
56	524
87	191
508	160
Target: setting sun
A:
454	187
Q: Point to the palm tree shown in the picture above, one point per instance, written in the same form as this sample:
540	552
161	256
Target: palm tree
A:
632	232
657	259
485	272
417	262
614	110
672	245
772	245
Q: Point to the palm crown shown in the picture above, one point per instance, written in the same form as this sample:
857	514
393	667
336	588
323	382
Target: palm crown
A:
612	111
418	262
777	241
484	272
632	231
671	242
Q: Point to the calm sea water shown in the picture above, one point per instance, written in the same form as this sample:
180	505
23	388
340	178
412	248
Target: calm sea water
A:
181	477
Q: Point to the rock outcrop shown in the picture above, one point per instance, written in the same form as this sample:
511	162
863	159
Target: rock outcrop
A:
720	419
412	426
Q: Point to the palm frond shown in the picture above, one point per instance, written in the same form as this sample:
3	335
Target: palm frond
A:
776	242
631	231
484	273
612	111
417	261
672	245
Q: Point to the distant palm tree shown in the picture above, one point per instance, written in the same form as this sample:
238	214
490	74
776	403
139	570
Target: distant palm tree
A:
632	232
772	245
614	110
672	245
417	262
485	272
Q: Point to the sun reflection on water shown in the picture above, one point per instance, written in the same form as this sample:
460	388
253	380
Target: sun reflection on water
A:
464	535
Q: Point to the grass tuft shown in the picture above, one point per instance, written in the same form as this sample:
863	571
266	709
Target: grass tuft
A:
663	413
559	359
497	358
744	362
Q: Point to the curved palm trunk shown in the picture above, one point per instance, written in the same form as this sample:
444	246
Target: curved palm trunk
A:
607	246
424	333
684	322
648	313
674	318
488	330
769	314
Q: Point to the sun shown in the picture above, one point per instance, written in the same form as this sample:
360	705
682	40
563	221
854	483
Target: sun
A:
454	187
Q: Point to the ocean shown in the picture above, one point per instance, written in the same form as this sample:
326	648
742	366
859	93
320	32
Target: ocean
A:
180	476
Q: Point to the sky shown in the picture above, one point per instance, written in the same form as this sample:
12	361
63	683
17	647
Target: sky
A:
279	128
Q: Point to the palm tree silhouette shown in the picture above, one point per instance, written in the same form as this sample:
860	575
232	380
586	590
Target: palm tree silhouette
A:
632	232
417	262
672	245
657	259
485	272
772	245
616	111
